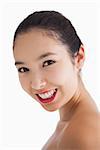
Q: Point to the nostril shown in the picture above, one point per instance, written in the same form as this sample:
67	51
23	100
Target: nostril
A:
42	85
38	86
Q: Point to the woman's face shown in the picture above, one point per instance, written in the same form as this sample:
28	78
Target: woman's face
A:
44	65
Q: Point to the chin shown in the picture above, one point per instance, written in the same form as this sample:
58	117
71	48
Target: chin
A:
52	109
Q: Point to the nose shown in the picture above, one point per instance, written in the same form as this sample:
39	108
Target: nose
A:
38	83
38	86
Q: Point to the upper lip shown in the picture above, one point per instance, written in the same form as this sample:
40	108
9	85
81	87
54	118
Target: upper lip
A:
43	91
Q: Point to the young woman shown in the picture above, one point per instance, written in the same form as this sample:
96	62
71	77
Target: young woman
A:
49	56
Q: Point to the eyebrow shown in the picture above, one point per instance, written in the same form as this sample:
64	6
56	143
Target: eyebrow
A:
19	63
40	57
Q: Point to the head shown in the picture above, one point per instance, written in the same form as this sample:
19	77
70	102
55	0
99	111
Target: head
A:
49	57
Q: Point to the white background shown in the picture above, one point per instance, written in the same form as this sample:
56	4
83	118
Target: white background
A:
24	124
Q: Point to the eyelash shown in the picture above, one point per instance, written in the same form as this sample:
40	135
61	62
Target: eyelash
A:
49	61
23	69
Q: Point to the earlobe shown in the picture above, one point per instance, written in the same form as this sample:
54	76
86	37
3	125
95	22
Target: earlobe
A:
80	58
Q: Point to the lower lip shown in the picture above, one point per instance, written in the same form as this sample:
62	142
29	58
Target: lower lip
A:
48	100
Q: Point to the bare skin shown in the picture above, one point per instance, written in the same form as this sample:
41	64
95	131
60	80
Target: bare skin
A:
80	129
79	125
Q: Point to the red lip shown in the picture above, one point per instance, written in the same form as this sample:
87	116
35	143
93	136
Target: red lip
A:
43	91
48	100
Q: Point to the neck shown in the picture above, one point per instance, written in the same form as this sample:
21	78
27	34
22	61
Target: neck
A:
68	110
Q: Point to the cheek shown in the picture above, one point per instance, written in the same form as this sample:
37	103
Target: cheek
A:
59	75
70	84
55	75
64	78
24	83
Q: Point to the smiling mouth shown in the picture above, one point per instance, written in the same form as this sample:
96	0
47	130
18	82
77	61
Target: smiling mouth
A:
47	97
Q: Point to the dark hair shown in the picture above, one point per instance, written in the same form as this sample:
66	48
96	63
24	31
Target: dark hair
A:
51	21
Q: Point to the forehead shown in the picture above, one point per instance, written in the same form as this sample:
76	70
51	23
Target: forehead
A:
37	42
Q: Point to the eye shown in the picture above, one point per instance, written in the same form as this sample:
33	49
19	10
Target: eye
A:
48	62
23	70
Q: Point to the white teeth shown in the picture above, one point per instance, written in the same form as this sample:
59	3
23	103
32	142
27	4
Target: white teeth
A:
47	95
51	92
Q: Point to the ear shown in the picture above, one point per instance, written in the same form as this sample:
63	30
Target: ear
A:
80	58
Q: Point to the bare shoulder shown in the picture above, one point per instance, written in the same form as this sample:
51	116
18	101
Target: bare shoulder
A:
84	133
